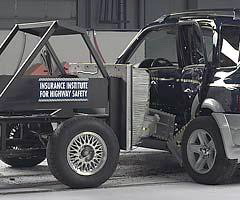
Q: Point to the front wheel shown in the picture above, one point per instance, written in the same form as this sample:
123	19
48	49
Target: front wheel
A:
83	152
203	152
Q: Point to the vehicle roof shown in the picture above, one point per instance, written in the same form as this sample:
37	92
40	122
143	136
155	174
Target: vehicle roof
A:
231	13
40	28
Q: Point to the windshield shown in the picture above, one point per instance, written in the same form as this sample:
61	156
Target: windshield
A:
157	44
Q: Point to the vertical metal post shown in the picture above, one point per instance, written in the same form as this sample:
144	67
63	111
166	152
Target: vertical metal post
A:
141	14
55	58
95	55
118	14
88	13
77	13
129	108
3	135
117	114
124	14
191	4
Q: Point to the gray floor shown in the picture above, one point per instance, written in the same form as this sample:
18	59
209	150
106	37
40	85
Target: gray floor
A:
140	175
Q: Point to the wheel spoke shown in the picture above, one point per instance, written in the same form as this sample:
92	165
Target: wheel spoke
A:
202	138
211	144
201	151
195	148
209	162
200	163
86	153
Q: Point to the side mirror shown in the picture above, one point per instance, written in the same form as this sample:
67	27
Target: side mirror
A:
145	64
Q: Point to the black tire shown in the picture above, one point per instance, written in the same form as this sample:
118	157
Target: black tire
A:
222	168
27	154
25	161
60	141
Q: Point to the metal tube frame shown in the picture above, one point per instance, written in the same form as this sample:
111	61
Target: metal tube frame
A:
52	26
31	57
51	29
95	56
55	58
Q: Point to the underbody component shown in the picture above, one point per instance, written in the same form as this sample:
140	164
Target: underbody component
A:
175	143
158	124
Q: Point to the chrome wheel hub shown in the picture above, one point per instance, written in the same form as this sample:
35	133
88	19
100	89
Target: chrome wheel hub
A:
87	153
201	151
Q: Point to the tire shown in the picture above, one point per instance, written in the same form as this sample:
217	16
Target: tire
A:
22	161
27	154
203	153
83	171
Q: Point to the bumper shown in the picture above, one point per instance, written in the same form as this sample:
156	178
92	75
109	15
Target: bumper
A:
229	125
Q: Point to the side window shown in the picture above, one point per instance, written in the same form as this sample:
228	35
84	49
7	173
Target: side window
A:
229	53
208	41
191	48
158	44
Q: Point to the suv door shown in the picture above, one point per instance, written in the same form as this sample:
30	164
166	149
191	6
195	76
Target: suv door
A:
157	53
193	58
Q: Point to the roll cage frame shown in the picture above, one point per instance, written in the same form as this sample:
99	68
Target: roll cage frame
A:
45	30
107	93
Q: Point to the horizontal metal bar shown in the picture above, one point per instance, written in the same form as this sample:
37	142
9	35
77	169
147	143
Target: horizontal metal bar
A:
113	30
36	25
214	9
47	116
228	12
72	28
27	18
8	153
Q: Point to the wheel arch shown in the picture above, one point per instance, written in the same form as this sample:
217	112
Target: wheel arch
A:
208	107
211	107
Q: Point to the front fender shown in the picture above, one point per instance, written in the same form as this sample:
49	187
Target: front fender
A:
208	103
229	126
213	105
